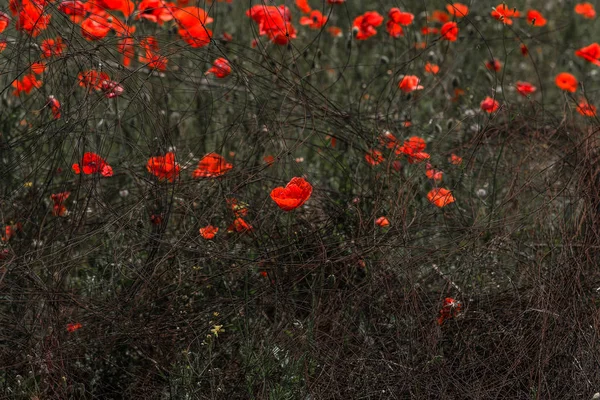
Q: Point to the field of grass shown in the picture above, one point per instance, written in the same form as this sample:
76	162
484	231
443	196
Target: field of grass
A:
250	199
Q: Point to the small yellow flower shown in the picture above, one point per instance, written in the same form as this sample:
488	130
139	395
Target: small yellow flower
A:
217	329
28	184
216	314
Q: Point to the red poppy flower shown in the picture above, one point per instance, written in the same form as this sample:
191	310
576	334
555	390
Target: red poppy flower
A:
335	31
505	14
525	88
4	21
211	165
400	17
92	163
59	209
374	157
494	65
413	145
433	173
274	22
449	31
192	23
220	68
382	222
11	230
26	84
456	160
150	56
535	18
586	109
52	47
156	219
566	82
31	17
428	30
239	225
157	11
125	46
590	53
432	68
586	10
303	6
387	139
260	13
293	195
95	27
164	167
209	232
458	10
439	16
409	83
440	197
74	327
38	68
450	309
269	160
100	6
524	49
365	24
413	149
394	29
3	45
489	105
54	106
72	8
189	17
92	79
316	20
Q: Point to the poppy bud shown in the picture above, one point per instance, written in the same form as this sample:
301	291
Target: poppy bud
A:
384	60
455	82
449	125
331	280
305	53
438	128
319	53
